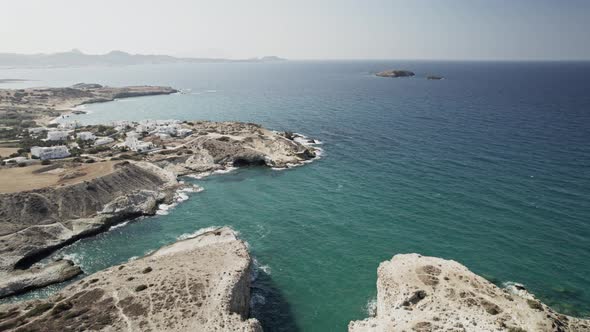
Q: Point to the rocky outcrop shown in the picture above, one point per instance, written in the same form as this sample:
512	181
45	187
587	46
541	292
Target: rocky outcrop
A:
34	223
36	277
395	73
418	293
197	284
218	145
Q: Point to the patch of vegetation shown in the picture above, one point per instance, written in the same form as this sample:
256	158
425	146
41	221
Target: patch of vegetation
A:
140	288
516	329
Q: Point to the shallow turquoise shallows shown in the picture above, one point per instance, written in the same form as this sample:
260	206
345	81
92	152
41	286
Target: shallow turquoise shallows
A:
490	167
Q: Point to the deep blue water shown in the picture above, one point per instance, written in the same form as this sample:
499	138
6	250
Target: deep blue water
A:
489	167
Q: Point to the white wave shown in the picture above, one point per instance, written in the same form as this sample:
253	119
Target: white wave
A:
371	307
118	225
211	91
258	268
74	257
517	289
179	196
226	170
199	176
132	258
257	299
197	233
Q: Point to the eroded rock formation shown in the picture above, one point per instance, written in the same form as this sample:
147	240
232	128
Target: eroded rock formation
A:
418	293
197	284
34	223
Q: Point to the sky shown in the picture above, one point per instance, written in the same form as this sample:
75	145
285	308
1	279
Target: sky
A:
303	29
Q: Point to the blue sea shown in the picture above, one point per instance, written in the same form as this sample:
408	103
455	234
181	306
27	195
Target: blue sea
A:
489	167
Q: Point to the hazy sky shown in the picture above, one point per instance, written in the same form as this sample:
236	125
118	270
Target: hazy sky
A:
303	29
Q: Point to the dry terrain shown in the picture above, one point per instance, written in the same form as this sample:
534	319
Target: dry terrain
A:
5	152
17	179
419	293
197	284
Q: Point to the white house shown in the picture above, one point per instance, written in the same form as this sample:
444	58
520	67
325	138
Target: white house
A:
136	145
70	125
50	152
103	141
86	136
57	135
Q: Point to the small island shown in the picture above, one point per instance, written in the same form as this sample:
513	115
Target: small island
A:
395	73
434	77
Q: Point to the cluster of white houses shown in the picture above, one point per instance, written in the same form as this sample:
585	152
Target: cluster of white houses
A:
164	129
161	128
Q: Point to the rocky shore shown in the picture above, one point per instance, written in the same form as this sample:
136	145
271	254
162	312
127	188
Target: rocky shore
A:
99	186
197	284
35	223
419	293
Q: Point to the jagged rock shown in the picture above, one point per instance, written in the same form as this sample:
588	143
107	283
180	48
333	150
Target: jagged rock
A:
219	144
20	281
418	293
197	284
137	202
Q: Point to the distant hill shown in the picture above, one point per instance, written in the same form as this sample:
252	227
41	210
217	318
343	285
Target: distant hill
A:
113	58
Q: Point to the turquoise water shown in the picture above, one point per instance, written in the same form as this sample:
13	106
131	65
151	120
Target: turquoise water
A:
489	167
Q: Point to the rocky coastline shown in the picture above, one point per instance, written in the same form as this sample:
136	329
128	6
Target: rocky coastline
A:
82	201
197	284
420	293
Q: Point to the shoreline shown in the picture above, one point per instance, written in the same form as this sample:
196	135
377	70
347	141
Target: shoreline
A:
201	148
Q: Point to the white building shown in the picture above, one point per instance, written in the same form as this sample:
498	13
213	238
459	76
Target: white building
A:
86	136
51	152
136	145
103	141
70	125
57	135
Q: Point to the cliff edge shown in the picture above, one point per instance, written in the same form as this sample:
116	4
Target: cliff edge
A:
419	293
197	284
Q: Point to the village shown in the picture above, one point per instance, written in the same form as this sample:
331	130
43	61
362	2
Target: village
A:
73	140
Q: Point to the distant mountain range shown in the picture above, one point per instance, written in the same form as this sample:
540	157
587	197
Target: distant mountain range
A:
113	58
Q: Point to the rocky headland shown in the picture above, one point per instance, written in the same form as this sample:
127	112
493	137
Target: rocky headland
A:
419	293
47	204
395	73
198	284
